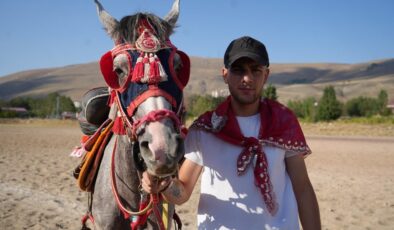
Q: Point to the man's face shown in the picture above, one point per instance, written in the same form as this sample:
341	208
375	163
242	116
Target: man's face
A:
246	79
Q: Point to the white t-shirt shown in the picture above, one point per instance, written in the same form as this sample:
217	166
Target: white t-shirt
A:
229	201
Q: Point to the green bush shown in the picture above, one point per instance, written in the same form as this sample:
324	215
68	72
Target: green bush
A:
197	105
270	92
383	100
362	107
50	106
329	108
367	106
304	109
8	114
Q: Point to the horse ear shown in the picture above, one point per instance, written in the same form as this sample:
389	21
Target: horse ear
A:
184	73
106	67
110	24
172	16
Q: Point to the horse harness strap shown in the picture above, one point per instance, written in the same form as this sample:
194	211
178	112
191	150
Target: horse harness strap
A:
88	215
147	206
155	116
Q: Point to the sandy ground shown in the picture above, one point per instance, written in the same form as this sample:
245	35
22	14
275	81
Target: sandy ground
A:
353	178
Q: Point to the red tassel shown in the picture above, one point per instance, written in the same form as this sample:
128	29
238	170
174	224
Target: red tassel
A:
145	78
138	72
148	69
154	72
163	74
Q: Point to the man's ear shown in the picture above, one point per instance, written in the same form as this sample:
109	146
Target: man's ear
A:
224	74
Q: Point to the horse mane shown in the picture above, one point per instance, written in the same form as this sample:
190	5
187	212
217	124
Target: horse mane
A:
128	26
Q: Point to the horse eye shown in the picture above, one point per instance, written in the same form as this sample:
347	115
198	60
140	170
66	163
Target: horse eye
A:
118	71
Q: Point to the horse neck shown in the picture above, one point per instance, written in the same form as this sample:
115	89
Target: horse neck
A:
126	175
105	208
125	170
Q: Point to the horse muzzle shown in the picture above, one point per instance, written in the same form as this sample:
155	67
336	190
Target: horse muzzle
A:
161	153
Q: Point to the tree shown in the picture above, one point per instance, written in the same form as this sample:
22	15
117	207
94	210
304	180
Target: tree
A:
383	100
20	102
329	108
50	106
362	107
305	108
7	114
352	107
297	107
367	106
270	92
197	104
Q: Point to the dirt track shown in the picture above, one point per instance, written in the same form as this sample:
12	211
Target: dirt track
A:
353	179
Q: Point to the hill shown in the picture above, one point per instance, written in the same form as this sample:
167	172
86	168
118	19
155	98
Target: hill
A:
293	81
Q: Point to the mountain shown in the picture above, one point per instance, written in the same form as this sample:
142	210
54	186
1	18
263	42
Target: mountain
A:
293	81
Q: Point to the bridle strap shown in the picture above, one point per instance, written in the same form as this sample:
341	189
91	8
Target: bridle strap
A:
152	116
126	121
121	48
156	115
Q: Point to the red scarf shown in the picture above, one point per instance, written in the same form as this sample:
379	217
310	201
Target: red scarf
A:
279	128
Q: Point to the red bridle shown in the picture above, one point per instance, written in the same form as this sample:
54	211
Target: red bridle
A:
156	115
151	204
133	127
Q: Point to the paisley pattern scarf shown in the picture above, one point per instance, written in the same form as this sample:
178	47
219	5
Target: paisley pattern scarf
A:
280	128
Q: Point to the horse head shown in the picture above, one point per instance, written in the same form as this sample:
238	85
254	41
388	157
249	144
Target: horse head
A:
146	74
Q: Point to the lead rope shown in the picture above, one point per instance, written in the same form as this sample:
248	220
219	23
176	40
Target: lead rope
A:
88	215
146	206
125	211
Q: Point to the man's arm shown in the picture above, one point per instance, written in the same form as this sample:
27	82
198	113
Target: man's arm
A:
308	207
179	189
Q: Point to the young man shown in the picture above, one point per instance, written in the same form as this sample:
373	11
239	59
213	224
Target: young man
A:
250	154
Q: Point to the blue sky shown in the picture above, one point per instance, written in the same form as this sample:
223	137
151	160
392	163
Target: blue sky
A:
53	33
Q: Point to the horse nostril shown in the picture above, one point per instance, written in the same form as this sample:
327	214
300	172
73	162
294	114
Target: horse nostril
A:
146	151
144	145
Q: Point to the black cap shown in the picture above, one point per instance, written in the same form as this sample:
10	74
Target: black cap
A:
246	47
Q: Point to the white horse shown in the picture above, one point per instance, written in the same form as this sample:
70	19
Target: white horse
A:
146	75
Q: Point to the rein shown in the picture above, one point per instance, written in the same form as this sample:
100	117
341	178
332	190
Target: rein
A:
151	204
146	206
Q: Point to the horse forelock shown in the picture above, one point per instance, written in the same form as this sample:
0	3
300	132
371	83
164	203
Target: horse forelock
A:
129	25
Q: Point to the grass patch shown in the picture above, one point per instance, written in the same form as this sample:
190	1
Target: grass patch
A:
368	120
349	128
